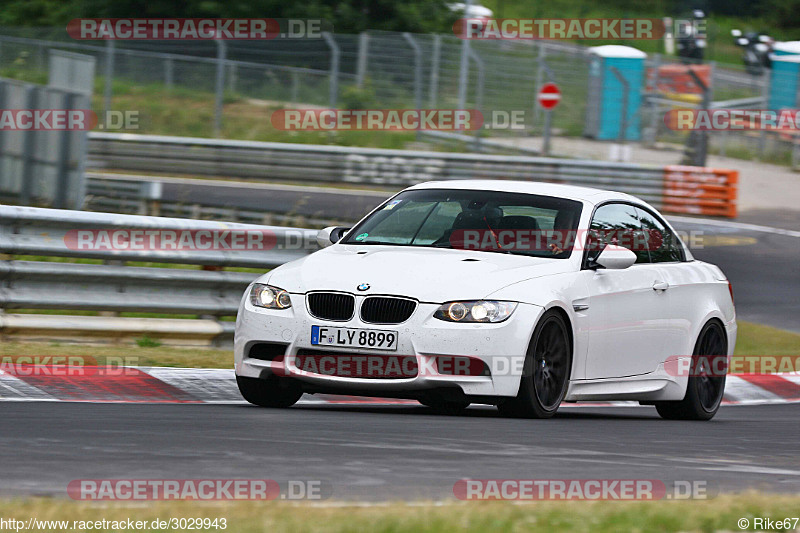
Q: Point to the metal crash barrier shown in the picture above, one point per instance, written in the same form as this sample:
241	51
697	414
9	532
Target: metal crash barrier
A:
669	188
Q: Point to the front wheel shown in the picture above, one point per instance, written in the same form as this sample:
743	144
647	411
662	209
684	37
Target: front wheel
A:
545	373
705	388
270	392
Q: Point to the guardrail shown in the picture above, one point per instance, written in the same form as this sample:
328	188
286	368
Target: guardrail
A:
337	164
195	285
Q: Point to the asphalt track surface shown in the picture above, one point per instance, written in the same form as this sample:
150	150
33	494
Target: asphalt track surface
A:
391	452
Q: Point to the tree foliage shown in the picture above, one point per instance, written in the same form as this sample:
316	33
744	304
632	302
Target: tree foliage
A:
347	16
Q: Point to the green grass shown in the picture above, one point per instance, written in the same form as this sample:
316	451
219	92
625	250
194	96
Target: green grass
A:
147	342
753	339
701	516
133	355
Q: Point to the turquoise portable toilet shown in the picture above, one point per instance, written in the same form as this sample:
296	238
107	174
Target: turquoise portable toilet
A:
604	109
784	83
789	48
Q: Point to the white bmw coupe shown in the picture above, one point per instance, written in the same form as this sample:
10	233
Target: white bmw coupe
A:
522	295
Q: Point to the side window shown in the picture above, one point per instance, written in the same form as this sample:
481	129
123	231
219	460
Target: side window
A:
617	224
663	245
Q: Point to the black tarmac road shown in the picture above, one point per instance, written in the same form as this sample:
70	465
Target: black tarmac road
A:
384	453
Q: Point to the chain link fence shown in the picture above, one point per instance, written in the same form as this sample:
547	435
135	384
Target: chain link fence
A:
379	69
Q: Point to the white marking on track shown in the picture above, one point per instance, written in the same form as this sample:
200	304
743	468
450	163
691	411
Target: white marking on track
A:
736	225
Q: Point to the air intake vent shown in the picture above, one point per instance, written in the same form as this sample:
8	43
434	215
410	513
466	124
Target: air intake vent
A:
331	305
386	310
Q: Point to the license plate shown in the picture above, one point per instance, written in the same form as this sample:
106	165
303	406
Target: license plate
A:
373	339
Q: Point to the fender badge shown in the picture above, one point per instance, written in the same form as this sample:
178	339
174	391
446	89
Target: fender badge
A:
363	286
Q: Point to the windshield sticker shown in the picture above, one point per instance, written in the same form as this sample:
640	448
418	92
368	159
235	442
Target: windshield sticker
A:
391	205
362	236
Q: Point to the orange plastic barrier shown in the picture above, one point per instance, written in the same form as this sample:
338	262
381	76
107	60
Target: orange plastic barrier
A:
700	191
676	79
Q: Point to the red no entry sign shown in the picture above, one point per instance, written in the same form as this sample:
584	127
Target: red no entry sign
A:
549	96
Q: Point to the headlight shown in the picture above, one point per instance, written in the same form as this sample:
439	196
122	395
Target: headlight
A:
478	311
269	297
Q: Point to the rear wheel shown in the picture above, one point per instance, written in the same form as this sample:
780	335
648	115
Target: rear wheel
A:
270	392
705	388
545	374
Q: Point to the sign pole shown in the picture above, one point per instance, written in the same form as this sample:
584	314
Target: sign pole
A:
547	120
548	98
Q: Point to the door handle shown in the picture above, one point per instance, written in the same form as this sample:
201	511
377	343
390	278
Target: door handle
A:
660	286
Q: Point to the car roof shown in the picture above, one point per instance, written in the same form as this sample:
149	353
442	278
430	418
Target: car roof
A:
572	192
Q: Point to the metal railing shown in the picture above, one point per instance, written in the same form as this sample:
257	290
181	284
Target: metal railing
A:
112	285
336	164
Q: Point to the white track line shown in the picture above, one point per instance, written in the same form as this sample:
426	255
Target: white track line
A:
737	225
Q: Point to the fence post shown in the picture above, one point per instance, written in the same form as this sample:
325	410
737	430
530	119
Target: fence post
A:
169	73
295	84
463	72
334	69
62	170
28	149
417	72
433	96
479	96
623	123
363	56
109	74
41	57
651	133
232	73
548	113
3	90
220	86
540	69
697	142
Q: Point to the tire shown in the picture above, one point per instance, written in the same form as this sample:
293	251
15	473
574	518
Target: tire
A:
270	392
703	393
545	373
447	407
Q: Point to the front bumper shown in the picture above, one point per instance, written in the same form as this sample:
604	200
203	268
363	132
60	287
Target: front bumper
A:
500	346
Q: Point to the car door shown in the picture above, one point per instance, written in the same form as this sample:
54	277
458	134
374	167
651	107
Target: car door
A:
628	312
680	284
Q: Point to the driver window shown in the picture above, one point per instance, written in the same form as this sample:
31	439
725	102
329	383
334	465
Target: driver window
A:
617	224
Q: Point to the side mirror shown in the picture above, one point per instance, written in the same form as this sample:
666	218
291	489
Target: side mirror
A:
615	258
330	235
736	33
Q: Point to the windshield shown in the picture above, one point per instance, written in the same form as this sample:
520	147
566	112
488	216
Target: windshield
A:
503	222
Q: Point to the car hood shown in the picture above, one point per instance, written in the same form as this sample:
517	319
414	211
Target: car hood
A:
427	274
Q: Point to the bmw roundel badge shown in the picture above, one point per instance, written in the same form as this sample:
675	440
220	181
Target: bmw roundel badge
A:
363	286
